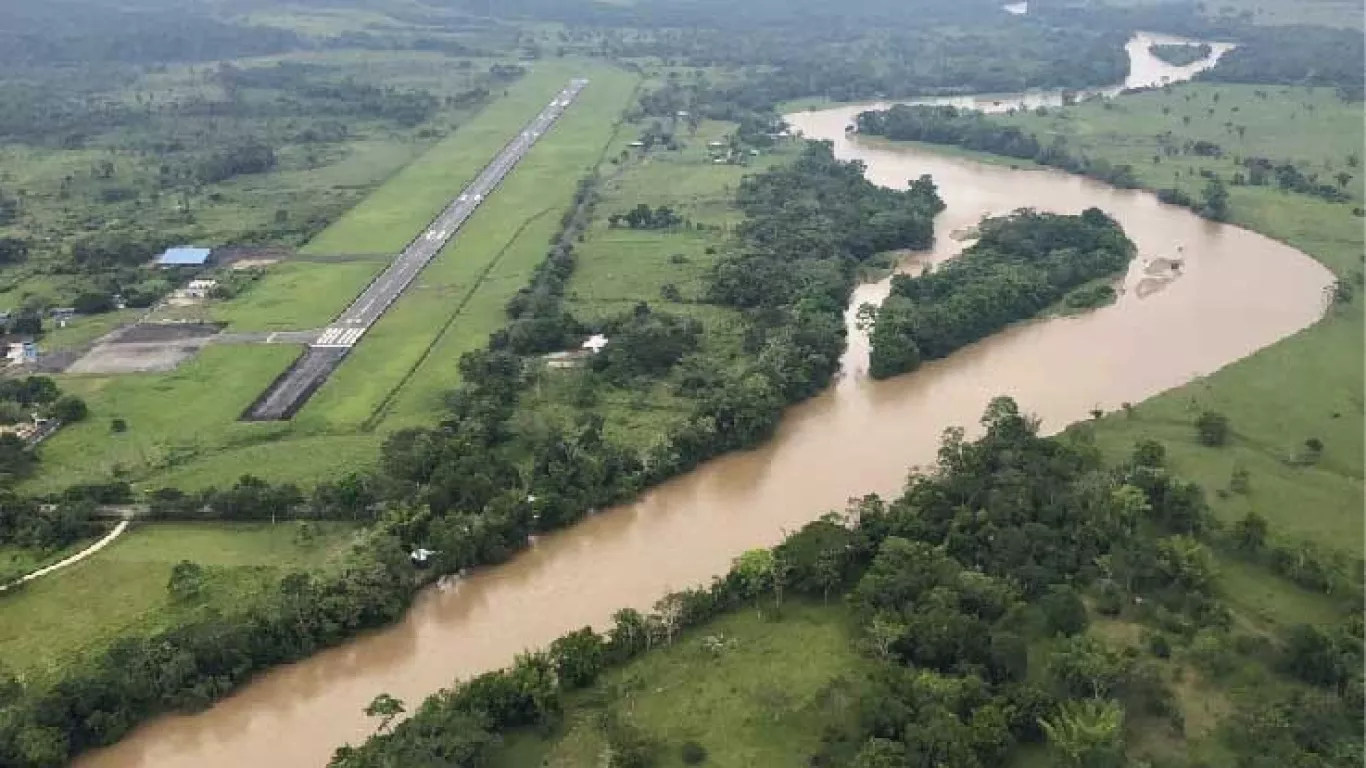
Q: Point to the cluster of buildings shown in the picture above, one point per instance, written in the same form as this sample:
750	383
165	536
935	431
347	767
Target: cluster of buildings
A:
24	351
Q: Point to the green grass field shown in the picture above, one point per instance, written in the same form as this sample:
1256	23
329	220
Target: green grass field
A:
309	294
1308	386
1309	126
763	699
172	417
123	588
299	295
407	360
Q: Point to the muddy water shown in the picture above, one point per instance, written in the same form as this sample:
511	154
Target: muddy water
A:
1145	71
1232	293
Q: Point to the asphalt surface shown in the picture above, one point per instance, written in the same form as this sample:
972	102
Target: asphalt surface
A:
289	392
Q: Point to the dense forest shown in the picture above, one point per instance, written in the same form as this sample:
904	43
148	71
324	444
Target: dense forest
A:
34	33
1019	265
1296	56
972	594
1301	55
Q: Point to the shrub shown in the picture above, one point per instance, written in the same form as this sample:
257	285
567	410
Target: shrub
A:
1211	428
693	753
1159	645
69	408
1149	453
1109	599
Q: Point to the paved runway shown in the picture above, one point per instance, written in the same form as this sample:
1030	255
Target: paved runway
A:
289	392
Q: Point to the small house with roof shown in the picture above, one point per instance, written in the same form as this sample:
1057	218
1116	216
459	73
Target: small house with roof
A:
185	256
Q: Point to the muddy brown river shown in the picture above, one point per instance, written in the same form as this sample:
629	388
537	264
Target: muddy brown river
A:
1233	293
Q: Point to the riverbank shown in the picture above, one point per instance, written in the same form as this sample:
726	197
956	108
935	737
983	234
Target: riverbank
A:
1308	387
910	652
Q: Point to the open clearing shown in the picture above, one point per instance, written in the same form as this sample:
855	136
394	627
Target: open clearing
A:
123	588
763	698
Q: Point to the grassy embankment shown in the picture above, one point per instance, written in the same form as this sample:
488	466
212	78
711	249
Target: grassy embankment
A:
1307	386
760	696
767	691
199	442
123	588
771	688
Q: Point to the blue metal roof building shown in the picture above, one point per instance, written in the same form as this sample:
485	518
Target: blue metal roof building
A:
184	256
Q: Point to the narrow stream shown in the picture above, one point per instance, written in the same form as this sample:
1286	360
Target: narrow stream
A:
1234	293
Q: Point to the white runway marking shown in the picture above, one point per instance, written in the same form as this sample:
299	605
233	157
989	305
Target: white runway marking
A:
339	337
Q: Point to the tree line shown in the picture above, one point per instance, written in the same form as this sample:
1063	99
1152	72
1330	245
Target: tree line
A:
1181	54
859	51
36	33
974	130
1019	265
973	627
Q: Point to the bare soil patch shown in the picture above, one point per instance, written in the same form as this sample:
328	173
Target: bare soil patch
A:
164	332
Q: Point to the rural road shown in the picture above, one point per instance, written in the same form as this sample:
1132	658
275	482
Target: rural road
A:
287	393
76	558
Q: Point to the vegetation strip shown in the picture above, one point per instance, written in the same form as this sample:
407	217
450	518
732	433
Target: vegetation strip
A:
378	414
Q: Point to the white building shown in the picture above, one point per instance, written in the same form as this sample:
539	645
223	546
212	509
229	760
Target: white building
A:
21	352
199	289
595	343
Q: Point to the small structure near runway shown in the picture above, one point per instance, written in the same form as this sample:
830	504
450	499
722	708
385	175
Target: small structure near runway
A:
573	358
595	343
185	256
